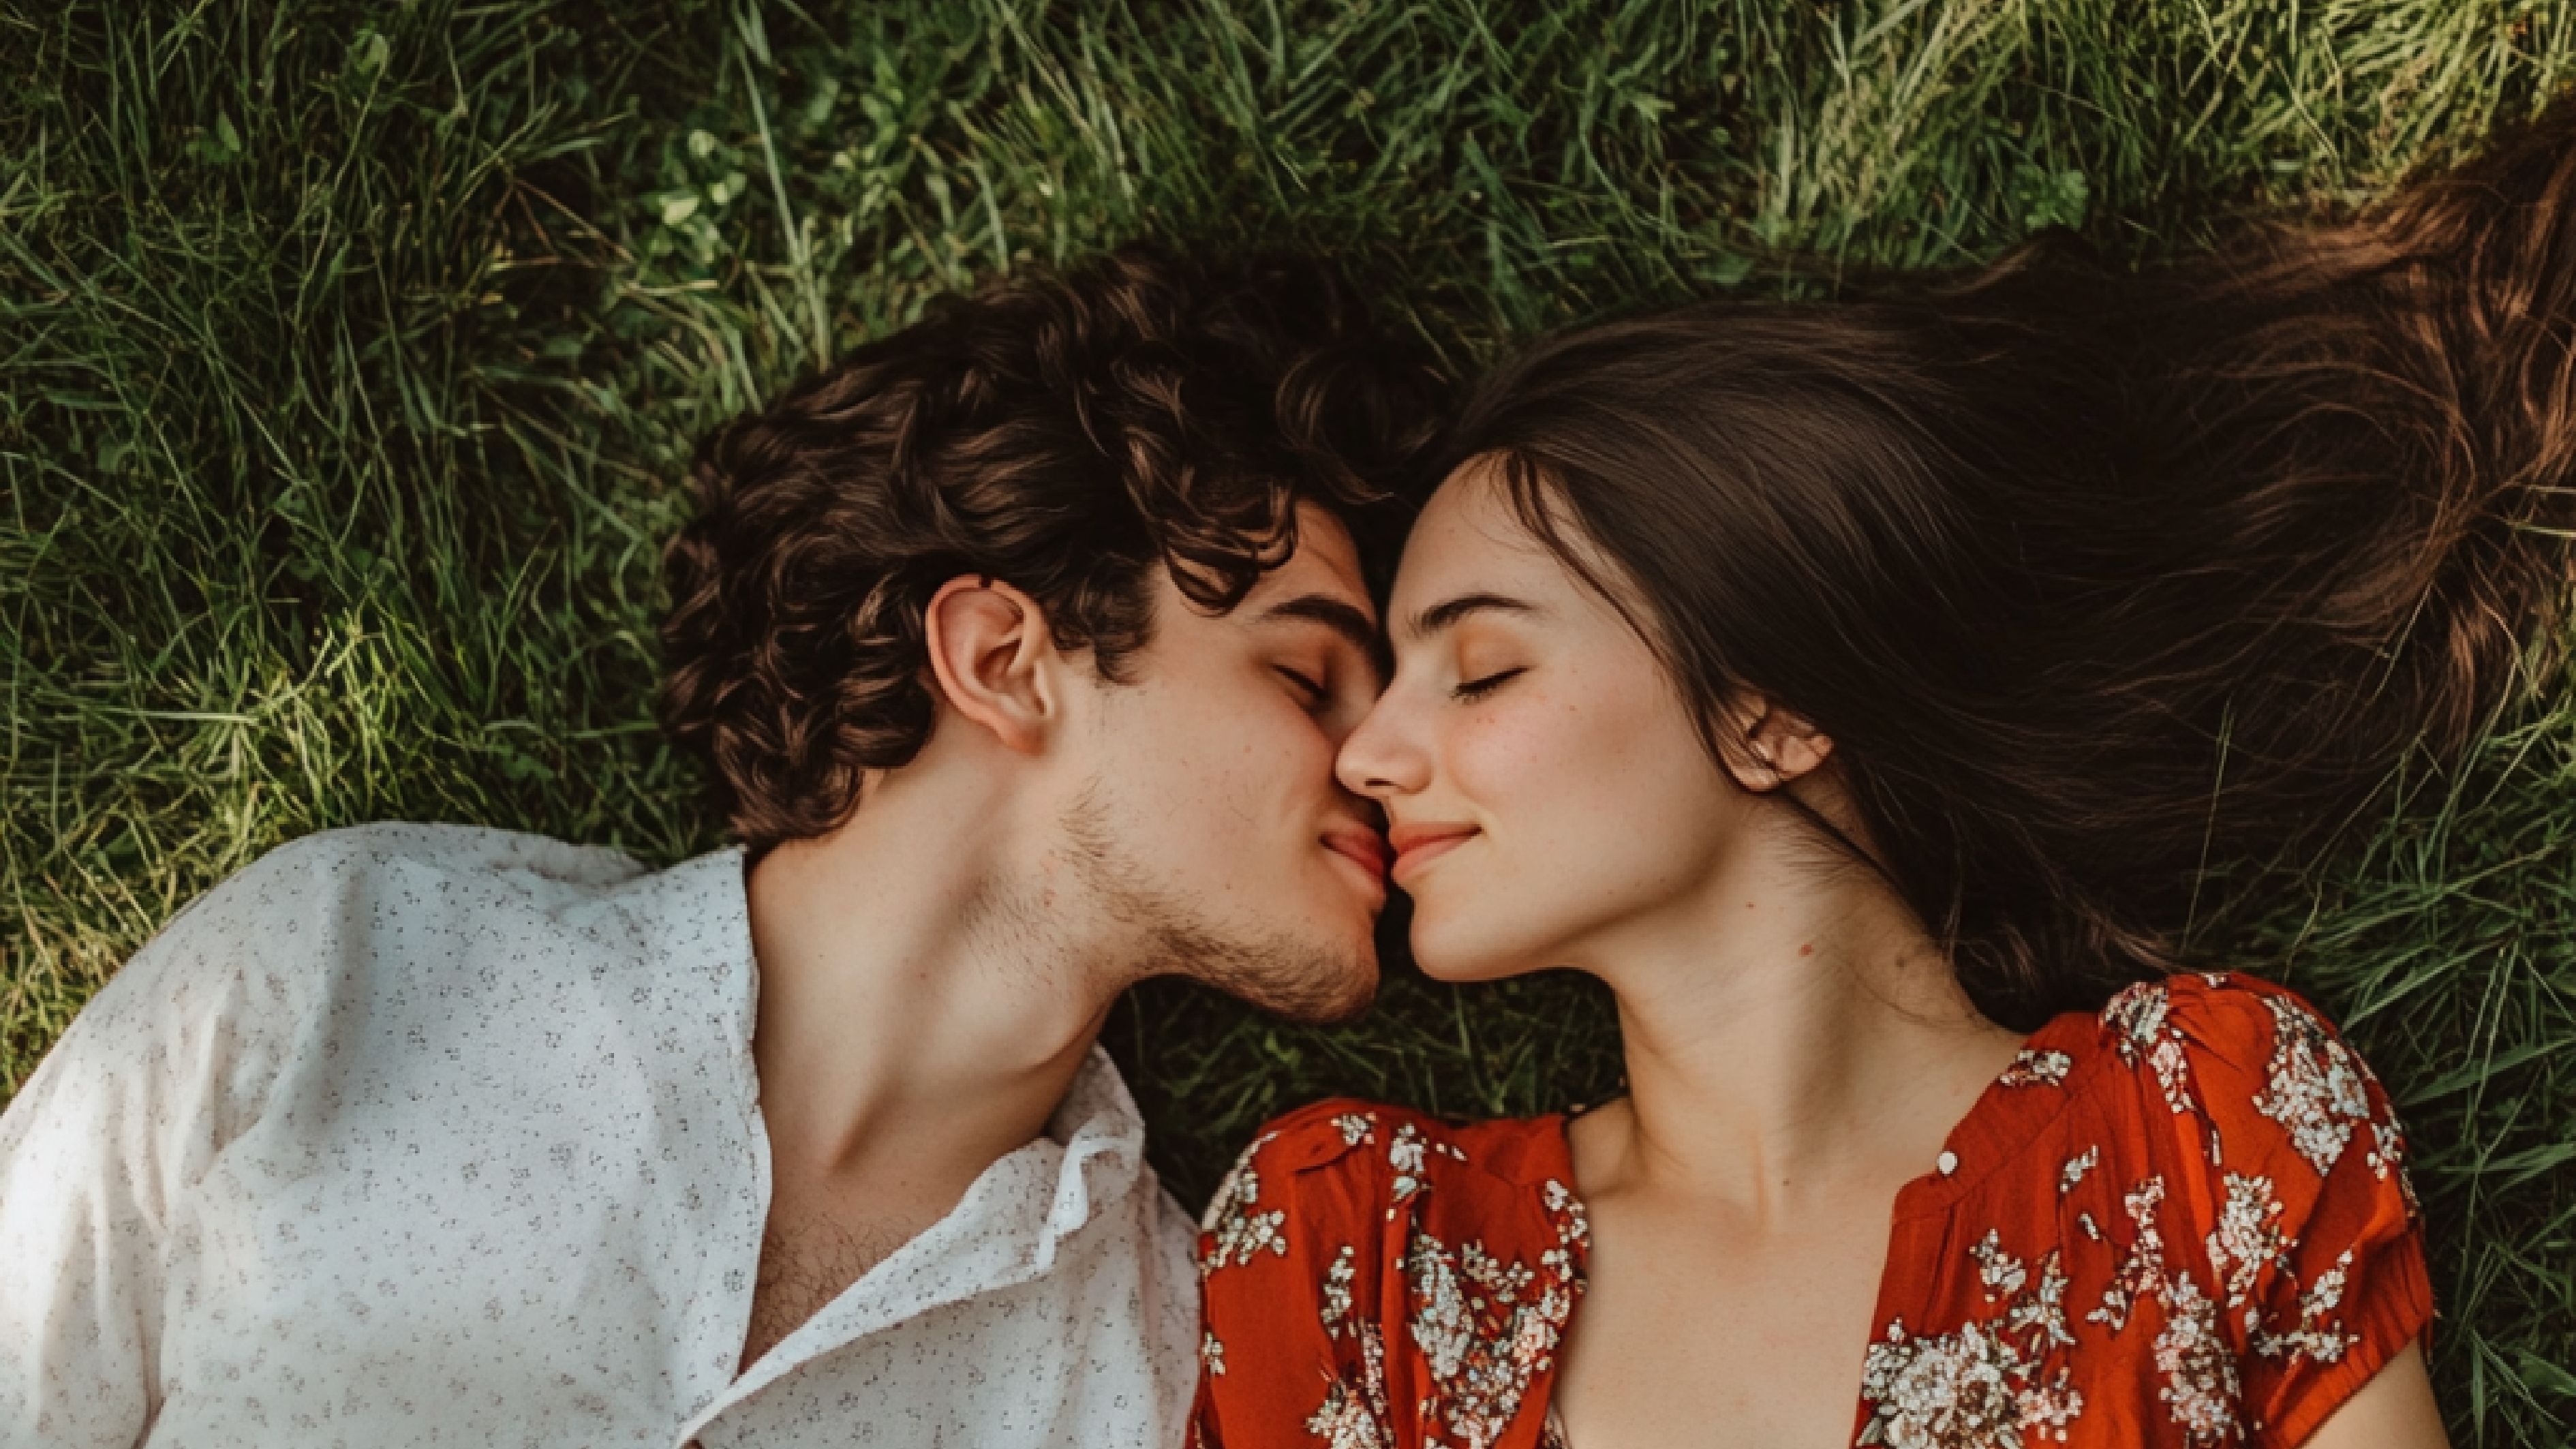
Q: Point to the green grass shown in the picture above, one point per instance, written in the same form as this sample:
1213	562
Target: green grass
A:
349	357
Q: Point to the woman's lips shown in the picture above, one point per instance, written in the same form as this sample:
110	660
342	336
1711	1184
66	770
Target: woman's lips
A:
1418	845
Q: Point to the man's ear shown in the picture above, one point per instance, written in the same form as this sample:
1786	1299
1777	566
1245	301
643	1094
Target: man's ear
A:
1779	745
990	649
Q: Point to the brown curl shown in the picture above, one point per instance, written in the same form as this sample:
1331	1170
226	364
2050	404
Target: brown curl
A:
1066	433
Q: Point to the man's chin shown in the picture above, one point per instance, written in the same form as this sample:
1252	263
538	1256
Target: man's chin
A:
1309	989
1349	1005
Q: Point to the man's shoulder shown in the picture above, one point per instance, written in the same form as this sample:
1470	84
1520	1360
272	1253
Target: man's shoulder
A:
306	904
461	852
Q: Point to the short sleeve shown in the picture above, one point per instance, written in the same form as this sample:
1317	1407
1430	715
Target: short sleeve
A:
1288	1246
2315	1243
163	1066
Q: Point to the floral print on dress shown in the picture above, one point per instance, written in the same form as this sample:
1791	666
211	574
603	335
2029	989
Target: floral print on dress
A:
1355	1413
2073	1173
2315	1091
1986	1385
2141	1271
1231	1232
2179	1235
2201	1389
2317	1337
2037	1069
1405	1153
2247	1239
2141	1022
1479	1323
1485	1325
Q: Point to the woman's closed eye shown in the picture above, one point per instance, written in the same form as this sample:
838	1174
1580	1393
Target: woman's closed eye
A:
1469	691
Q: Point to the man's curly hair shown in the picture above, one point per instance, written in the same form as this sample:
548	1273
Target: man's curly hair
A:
1063	433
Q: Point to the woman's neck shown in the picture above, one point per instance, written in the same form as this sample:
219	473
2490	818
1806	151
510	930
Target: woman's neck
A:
1784	1042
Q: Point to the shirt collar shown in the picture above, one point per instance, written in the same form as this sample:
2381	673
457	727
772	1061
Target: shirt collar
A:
1013	1221
1103	1137
697	916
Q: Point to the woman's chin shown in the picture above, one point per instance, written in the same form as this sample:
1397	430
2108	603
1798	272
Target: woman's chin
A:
1450	956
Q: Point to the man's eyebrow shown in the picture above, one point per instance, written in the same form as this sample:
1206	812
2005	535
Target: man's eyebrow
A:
1449	611
1337	615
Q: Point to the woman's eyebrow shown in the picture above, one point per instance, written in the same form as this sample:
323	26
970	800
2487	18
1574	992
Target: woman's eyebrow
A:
1449	611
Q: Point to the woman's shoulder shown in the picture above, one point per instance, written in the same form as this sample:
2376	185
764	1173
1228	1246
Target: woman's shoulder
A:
2221	1021
2226	1012
1350	1163
1368	1266
2254	1065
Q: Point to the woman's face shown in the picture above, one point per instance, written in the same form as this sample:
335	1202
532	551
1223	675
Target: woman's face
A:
1545	789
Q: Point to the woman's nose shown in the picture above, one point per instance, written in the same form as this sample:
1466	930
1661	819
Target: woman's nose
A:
1383	757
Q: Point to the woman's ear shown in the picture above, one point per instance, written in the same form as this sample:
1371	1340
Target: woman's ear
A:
1779	746
990	652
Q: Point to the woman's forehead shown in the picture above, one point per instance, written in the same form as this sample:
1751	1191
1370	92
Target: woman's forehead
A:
1472	525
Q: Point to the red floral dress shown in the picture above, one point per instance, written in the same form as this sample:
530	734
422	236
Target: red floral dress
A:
2183	1223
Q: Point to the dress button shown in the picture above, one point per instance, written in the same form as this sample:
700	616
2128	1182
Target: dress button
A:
1948	1164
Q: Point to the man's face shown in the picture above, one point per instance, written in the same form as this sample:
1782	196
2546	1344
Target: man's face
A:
1212	821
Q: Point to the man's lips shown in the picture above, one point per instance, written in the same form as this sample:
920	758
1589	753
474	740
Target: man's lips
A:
1418	845
1360	844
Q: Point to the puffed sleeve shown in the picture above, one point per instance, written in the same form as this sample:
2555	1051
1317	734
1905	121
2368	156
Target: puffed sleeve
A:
1289	1245
2315	1245
163	1066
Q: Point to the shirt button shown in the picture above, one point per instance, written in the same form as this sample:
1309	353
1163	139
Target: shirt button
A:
1948	1164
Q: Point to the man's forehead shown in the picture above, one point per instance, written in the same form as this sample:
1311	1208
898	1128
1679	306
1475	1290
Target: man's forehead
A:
1320	585
1325	558
1326	563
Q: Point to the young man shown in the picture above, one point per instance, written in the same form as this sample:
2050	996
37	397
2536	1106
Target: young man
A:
1019	647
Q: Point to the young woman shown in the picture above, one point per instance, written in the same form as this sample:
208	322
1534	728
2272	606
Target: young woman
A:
1859	691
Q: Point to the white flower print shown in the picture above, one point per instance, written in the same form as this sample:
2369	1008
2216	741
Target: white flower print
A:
2315	1088
1949	1391
2317	1336
1573	1228
2388	1155
1354	1414
2141	1273
2201	1388
2037	1069
2140	1018
1985	1386
2246	1238
1485	1327
1337	1292
1234	1230
1404	1153
2075	1168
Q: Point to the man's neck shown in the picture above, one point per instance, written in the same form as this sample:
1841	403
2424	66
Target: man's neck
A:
925	997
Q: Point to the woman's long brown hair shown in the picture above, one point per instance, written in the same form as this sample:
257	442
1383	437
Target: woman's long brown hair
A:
2097	577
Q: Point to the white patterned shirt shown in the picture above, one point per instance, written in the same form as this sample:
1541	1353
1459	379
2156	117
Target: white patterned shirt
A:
436	1135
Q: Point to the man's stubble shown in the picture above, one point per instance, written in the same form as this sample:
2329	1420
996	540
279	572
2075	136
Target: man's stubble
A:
1173	936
